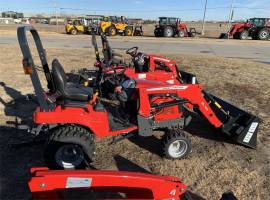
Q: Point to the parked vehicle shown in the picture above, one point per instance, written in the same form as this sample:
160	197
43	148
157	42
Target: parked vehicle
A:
171	27
113	25
256	28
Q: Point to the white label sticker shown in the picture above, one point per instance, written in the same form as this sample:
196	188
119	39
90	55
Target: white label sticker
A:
170	81
175	87
73	182
141	76
173	192
250	132
162	59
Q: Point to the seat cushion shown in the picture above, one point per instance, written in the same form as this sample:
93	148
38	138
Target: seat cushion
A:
69	90
78	92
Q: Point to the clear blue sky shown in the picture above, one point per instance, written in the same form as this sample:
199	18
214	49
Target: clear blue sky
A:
147	9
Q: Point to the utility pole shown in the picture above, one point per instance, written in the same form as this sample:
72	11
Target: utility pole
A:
56	16
204	14
230	16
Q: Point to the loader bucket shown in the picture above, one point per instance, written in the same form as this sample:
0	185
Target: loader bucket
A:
238	124
223	36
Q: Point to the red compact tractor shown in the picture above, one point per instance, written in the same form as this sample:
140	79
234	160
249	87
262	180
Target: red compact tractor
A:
256	28
120	106
171	26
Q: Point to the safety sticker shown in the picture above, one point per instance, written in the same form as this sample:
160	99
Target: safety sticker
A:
170	81
74	182
142	76
162	59
250	132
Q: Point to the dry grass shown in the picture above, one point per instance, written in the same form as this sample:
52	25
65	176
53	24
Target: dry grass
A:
213	167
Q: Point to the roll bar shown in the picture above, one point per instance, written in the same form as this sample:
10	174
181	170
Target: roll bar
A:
30	67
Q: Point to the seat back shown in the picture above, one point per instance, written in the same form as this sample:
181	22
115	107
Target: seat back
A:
59	76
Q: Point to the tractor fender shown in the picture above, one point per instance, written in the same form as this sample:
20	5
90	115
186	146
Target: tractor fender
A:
90	119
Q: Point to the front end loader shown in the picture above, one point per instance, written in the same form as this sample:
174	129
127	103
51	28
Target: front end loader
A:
238	124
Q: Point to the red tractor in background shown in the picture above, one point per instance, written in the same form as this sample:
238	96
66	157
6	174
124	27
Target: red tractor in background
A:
171	26
256	28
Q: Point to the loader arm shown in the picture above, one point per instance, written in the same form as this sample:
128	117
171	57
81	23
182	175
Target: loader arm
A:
191	92
238	124
48	183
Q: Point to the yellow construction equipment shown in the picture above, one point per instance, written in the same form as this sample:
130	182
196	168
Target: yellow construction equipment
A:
75	26
113	25
83	25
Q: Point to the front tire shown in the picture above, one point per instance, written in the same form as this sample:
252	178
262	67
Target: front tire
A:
243	35
176	145
264	34
181	33
73	31
112	31
69	147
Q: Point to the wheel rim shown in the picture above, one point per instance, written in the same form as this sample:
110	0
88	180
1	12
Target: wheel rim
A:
73	32
113	32
244	35
182	34
69	156
168	32
264	34
129	32
178	148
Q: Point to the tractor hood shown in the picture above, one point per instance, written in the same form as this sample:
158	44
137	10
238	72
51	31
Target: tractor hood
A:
242	24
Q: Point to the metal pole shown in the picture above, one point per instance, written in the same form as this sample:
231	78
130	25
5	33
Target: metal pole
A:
56	16
204	14
230	17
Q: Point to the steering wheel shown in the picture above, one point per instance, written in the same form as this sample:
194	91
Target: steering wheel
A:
132	51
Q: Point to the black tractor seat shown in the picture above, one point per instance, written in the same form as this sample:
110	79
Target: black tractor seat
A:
68	90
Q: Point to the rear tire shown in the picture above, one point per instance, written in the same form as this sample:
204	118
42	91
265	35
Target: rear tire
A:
69	147
168	32
264	34
112	31
176	145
